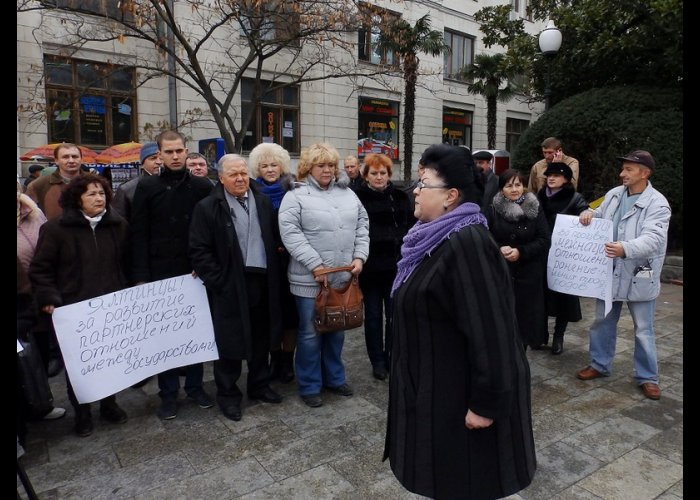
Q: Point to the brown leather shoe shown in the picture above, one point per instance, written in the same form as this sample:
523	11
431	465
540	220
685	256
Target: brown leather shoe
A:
588	373
651	390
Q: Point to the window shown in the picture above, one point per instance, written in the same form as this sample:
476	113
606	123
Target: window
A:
271	21
368	37
378	127
116	10
89	103
514	129
274	119
457	127
461	54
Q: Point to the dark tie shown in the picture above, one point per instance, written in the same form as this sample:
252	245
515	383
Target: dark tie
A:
242	201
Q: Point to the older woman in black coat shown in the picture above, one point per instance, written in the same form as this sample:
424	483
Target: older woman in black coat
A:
459	423
80	255
518	224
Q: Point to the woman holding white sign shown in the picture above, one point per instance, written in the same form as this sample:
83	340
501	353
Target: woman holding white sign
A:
80	255
559	196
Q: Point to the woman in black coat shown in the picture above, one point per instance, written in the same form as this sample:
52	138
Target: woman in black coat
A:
518	224
459	417
390	215
269	164
81	254
560	197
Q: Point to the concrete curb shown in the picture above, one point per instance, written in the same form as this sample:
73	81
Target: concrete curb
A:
672	271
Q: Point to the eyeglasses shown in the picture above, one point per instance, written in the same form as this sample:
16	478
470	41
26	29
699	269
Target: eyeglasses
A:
422	185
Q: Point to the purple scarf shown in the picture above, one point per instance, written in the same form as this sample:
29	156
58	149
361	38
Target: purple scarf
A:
424	237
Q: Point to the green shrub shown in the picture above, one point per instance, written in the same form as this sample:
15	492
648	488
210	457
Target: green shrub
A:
599	125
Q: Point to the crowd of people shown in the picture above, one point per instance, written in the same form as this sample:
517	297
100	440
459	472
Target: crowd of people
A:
453	272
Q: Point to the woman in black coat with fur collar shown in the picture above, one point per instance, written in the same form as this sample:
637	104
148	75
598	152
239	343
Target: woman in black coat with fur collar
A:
518	224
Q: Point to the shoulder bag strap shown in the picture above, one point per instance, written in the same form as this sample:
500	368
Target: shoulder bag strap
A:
328	270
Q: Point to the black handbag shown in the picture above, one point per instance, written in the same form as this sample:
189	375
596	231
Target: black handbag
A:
33	380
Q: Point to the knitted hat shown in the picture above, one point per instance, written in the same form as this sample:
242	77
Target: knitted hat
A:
148	149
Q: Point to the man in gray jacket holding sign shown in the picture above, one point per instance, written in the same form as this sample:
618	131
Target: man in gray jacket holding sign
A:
640	216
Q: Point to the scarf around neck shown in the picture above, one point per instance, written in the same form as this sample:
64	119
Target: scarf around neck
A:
94	220
424	237
274	191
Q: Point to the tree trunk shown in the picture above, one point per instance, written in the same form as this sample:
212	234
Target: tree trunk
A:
491	122
409	112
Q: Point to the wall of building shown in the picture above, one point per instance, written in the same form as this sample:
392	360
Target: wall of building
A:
328	108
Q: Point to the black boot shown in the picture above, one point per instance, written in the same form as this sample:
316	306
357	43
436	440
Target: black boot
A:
558	343
275	363
286	367
83	420
560	325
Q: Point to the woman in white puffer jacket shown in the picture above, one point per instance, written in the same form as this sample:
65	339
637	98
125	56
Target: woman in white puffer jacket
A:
322	224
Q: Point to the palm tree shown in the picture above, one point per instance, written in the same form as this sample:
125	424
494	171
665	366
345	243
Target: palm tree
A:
406	42
487	73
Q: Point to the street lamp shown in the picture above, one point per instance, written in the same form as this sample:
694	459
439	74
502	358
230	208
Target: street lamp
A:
550	41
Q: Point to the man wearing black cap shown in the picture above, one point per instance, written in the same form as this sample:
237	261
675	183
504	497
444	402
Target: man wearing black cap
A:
640	216
483	161
34	173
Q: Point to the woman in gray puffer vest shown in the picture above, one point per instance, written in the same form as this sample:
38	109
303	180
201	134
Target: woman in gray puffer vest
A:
322	224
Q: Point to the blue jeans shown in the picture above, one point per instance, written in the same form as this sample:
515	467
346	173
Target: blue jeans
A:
603	335
317	361
377	325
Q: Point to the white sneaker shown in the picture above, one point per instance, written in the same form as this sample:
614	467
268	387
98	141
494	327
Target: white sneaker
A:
54	414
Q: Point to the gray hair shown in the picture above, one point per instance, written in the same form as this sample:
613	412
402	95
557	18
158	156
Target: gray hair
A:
229	157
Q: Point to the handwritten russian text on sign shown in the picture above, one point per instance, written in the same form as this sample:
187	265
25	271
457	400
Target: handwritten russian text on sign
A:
115	340
577	264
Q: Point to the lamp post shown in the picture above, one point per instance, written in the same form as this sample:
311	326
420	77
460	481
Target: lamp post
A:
550	41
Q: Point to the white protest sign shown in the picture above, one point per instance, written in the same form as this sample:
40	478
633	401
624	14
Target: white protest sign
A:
115	340
577	264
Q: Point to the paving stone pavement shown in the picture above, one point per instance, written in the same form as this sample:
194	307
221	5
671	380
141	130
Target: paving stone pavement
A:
599	439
